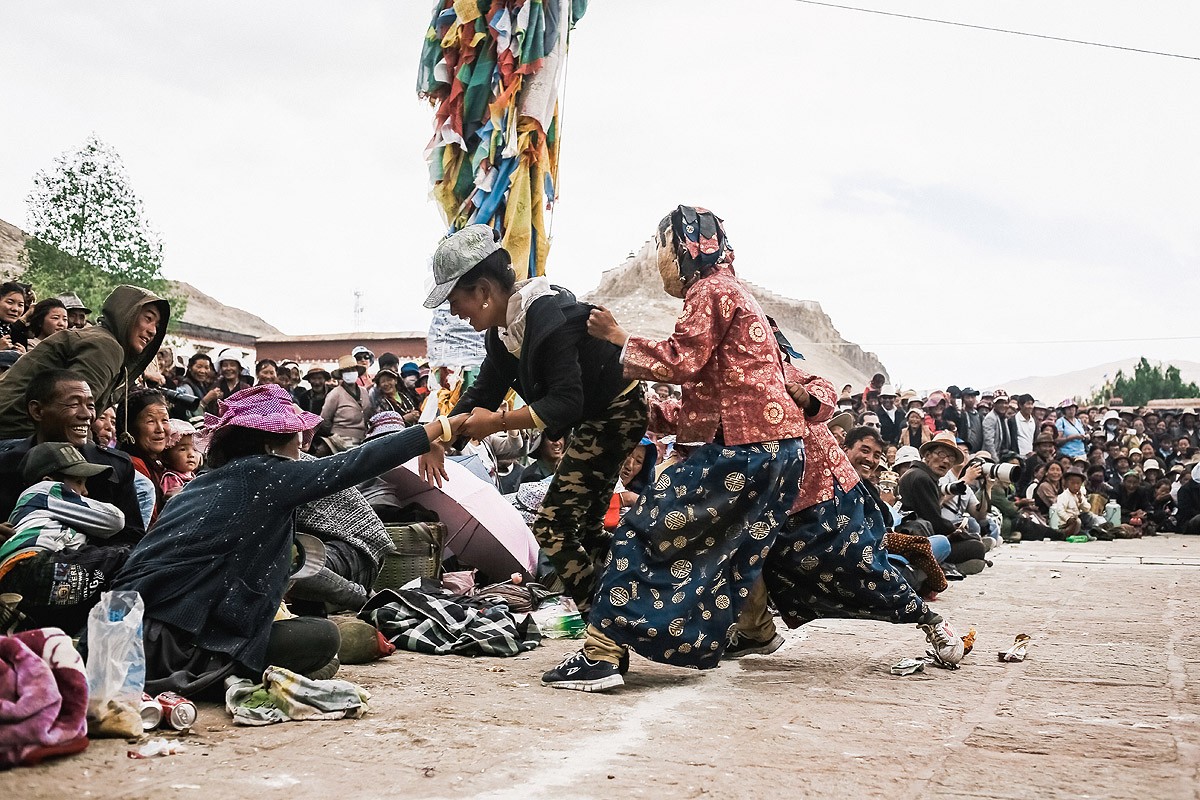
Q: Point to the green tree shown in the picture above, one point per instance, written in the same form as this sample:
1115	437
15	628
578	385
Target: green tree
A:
1148	382
87	230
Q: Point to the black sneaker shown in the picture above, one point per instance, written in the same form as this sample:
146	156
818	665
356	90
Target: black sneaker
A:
580	673
741	646
951	572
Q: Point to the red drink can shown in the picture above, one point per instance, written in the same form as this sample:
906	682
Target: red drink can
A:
177	712
151	712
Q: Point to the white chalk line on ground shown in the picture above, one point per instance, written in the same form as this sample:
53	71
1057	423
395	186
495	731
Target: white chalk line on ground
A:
588	756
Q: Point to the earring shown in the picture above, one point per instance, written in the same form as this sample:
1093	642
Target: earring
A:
485	303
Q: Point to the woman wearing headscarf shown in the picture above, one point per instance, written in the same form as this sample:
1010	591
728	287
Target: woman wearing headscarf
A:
214	568
688	557
538	345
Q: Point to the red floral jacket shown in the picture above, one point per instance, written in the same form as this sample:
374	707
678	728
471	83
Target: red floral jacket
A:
728	363
824	460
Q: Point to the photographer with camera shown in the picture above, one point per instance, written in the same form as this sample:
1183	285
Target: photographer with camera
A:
1019	519
965	501
922	501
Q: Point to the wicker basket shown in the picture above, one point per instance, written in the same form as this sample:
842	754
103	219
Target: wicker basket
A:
418	554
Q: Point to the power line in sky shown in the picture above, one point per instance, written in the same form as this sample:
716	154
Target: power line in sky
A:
1004	344
998	30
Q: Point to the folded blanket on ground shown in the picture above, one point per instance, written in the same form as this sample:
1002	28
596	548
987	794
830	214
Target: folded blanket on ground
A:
284	696
427	622
43	698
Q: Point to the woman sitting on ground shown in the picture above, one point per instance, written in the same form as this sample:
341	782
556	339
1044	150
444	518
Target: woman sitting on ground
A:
213	570
1050	487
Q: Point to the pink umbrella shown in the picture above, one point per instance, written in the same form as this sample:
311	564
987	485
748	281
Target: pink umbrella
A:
483	529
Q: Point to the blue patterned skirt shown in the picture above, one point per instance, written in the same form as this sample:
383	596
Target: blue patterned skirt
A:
830	562
683	560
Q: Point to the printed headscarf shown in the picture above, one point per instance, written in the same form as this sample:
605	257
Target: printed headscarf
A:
700	241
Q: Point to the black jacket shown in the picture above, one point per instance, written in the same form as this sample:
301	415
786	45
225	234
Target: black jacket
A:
921	497
563	374
115	488
216	563
1189	502
890	429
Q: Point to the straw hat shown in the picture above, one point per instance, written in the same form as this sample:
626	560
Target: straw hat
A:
317	371
349	362
943	439
844	420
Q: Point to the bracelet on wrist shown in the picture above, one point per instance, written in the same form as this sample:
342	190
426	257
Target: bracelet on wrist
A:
447	434
503	419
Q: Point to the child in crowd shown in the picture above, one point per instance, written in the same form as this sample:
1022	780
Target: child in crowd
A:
50	559
181	459
1074	510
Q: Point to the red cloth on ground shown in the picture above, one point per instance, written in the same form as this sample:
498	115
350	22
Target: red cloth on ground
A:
43	698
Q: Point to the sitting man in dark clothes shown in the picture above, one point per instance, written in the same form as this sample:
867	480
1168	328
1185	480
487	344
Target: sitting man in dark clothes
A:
921	499
1136	499
60	405
1188	502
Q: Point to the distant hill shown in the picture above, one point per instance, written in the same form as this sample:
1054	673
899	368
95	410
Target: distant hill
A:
12	242
634	293
1052	388
202	310
209	312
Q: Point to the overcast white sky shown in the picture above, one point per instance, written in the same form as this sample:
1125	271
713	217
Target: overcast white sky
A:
924	183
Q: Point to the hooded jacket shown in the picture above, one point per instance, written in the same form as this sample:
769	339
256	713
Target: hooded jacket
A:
100	354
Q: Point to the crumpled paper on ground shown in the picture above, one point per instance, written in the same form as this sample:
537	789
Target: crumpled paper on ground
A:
285	695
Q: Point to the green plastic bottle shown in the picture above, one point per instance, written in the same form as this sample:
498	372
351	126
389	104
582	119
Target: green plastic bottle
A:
1079	537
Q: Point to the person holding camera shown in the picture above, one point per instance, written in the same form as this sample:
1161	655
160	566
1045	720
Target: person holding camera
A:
965	501
922	501
1018	518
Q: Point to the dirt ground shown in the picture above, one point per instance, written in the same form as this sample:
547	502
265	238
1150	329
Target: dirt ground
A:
1106	706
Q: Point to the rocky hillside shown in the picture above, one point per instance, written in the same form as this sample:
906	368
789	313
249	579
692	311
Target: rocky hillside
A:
633	291
12	242
201	309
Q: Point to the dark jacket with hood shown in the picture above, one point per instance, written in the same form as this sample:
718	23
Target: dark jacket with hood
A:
563	374
101	354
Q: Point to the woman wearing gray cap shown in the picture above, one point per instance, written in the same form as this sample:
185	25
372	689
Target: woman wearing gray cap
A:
537	344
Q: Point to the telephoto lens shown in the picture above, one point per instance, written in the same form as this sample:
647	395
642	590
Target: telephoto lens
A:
185	401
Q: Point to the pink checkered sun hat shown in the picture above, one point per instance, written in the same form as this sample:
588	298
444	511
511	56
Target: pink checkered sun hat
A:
265	408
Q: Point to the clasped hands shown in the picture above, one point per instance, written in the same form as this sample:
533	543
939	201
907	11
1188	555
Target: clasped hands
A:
477	425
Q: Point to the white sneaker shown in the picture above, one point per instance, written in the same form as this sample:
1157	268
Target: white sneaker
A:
947	646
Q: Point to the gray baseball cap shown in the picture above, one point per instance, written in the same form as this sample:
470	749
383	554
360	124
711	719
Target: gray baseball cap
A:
458	254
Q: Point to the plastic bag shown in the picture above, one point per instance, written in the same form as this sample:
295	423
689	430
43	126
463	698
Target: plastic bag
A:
559	619
116	665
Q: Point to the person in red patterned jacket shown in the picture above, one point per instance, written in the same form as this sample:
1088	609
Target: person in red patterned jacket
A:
830	560
685	557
